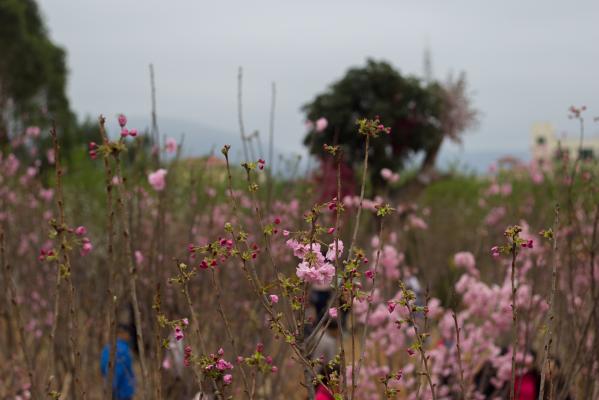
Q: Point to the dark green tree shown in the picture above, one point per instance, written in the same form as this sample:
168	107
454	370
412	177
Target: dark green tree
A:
33	74
419	114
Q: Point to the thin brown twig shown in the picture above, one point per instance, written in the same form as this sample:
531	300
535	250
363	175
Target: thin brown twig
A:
297	347
514	319
271	140
240	113
459	354
112	295
221	311
15	309
65	270
420	343
123	212
549	338
369	311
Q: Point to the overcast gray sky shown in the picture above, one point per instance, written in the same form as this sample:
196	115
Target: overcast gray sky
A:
526	61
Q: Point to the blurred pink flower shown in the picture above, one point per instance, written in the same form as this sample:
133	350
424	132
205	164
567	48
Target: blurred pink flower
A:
417	222
465	259
46	194
333	312
391	306
506	189
87	247
122	120
223	365
139	257
495	215
171	146
33	131
321	124
495	251
50	156
336	245
11	165
210	192
179	333
158	179
389	175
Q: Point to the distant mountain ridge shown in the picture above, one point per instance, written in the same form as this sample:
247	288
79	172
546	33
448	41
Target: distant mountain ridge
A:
201	139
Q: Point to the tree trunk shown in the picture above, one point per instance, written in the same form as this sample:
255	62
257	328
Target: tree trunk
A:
427	168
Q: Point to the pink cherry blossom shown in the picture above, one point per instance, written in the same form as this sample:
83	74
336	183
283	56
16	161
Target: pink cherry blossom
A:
171	146
139	257
389	175
223	365
87	247
33	131
333	312
391	306
495	252
122	120
321	124
157	179
179	333
465	259
331	254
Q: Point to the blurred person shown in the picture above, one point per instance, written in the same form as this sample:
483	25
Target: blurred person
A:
123	382
327	372
327	347
527	385
320	295
322	393
128	315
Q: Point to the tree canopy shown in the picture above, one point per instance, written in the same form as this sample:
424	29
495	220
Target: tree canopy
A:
421	114
33	73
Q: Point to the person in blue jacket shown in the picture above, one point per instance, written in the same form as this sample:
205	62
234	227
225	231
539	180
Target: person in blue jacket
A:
123	382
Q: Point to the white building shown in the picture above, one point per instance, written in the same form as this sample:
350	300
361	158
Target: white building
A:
546	144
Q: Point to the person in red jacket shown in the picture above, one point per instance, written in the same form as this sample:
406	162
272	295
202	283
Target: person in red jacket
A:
322	393
526	386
